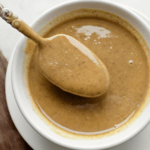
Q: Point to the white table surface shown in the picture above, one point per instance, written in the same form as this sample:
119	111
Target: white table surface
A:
28	10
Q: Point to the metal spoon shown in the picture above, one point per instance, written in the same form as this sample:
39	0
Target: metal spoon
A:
85	76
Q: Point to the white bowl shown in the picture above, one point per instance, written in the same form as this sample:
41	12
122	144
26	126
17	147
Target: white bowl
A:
22	99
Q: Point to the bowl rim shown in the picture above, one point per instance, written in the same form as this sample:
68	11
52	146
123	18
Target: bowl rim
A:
15	89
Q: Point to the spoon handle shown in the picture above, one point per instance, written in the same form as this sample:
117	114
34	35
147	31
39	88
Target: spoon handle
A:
20	25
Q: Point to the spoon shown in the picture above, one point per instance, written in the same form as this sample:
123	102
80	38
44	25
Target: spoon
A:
64	61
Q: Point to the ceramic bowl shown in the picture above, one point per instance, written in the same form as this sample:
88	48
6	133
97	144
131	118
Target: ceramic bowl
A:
22	98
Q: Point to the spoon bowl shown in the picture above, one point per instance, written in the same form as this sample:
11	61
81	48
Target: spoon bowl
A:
70	65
